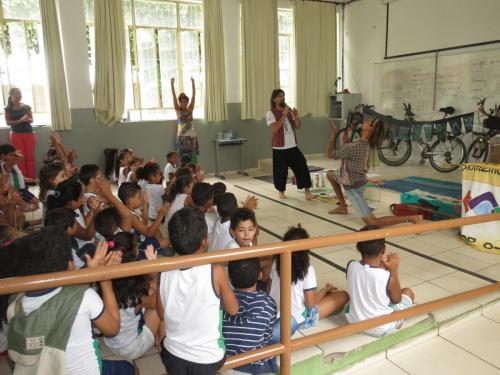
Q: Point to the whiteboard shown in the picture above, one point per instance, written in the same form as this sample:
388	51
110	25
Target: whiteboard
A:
406	81
429	83
462	79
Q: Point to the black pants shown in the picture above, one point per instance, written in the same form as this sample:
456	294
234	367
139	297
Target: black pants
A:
294	159
178	366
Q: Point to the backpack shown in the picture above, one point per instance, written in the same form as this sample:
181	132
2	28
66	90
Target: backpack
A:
37	341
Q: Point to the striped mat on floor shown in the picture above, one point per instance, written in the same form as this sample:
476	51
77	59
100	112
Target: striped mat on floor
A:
430	185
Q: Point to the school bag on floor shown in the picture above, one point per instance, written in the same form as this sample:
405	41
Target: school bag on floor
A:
37	341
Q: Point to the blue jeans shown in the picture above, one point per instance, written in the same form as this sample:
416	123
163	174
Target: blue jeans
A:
358	201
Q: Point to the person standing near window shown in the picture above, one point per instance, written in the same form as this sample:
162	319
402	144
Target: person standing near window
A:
283	121
19	117
187	143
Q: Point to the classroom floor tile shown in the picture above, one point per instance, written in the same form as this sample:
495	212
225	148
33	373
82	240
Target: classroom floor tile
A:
385	367
479	336
438	356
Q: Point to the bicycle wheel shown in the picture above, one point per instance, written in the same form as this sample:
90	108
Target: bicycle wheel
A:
343	137
394	152
478	150
448	155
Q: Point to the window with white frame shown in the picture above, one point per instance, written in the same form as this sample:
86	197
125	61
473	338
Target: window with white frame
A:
286	54
22	57
164	40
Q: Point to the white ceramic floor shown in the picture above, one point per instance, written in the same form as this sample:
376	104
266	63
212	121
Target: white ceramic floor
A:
470	347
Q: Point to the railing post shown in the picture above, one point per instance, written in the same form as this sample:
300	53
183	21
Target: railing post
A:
286	311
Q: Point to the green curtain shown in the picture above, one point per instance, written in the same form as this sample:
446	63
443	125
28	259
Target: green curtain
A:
58	93
315	36
109	89
260	70
215	70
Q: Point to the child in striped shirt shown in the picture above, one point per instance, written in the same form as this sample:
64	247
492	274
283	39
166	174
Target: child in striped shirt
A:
252	327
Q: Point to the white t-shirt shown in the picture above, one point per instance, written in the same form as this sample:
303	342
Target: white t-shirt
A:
169	168
121	176
367	288
80	355
192	314
129	324
155	194
20	175
221	237
289	134
177	205
298	289
211	219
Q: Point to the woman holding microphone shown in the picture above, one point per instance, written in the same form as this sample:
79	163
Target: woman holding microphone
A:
283	122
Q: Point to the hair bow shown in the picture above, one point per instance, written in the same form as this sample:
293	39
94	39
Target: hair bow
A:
111	244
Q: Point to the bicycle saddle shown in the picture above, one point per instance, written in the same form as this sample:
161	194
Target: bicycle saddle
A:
447	110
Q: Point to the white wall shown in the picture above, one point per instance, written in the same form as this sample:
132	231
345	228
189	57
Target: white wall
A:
364	35
364	43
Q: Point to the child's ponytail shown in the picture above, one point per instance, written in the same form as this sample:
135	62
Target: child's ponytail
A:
67	191
178	187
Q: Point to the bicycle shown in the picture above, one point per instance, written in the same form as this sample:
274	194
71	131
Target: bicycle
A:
478	149
445	155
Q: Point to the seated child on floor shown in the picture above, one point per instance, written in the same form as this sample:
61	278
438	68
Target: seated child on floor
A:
9	156
64	316
308	305
178	195
153	186
373	286
252	327
49	177
222	239
65	219
202	198
69	194
88	176
171	166
190	301
136	298
133	197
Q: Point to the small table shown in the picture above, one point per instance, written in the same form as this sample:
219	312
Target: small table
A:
221	143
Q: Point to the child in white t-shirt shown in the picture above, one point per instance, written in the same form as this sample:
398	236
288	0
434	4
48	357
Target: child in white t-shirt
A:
171	166
373	286
154	188
136	297
178	195
308	305
190	301
222	238
49	251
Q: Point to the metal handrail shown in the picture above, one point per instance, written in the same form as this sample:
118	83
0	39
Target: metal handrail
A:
285	249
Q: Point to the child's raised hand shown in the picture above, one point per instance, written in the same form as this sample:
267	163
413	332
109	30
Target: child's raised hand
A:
113	257
251	203
391	262
95	204
151	253
103	187
99	256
